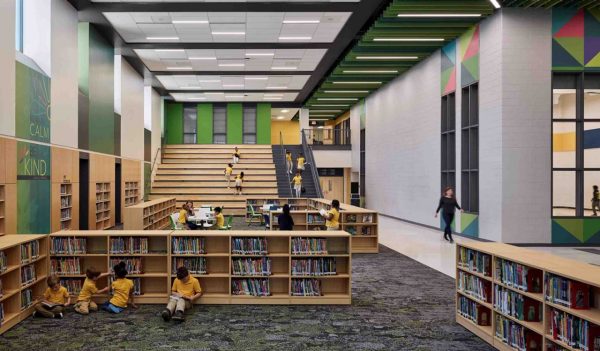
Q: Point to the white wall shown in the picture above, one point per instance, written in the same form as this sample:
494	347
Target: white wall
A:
156	105
132	113
355	136
333	158
403	145
37	33
7	68
64	86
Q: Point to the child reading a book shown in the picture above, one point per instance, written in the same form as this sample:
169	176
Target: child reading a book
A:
219	217
186	289
122	291
84	301
239	179
56	298
228	172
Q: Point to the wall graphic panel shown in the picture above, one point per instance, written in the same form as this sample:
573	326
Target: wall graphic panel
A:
448	63
32	105
468	45
575	39
33	188
576	231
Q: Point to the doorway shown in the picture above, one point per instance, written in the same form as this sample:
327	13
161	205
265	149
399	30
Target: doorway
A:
84	190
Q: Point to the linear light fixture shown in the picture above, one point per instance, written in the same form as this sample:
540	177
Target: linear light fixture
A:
357	82
346	91
228	33
162	38
275	88
330	105
202	58
495	3
260	54
280	117
179	68
285	111
321	115
271	98
210	81
387	57
256	78
169	50
295	38
446	15
301	21
372	71
234	96
231	65
189	22
408	39
284	68
214	93
337	99
233	85
319	111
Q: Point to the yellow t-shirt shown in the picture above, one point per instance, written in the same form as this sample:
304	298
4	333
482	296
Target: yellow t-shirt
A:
58	297
121	289
288	157
191	288
182	214
239	177
334	222
220	220
87	290
228	170
297	180
300	162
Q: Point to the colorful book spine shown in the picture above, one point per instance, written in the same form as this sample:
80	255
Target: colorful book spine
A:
474	286
565	292
65	266
574	331
315	219
306	287
518	276
30	251
128	245
26	298
132	265
249	246
250	287
475	261
73	286
27	274
473	311
516	305
309	246
68	246
188	245
314	266
251	266
195	265
3	262
511	333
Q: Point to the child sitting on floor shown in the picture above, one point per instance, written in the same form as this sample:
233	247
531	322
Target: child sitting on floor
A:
56	298
122	291
84	301
186	289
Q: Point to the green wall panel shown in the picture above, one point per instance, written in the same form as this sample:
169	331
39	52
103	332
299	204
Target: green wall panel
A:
83	50
147	180
32	104
204	122
33	188
174	123
263	124
234	123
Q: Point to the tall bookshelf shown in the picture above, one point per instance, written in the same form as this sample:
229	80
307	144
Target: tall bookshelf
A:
2	210
520	299
132	193
103	205
149	215
23	273
66	206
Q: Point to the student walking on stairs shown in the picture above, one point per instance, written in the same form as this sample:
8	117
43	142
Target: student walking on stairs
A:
236	155
239	180
448	204
228	172
288	161
297	184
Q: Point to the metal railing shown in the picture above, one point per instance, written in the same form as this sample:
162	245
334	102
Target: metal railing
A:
327	136
155	157
306	149
284	159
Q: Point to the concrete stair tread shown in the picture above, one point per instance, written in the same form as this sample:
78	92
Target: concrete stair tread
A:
218	146
221	184
220	166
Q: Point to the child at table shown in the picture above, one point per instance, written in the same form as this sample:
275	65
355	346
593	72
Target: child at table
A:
84	300
219	217
228	172
186	289
122	291
56	298
184	213
239	180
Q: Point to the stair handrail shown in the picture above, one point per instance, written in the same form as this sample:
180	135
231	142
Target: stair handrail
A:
311	161
285	160
155	158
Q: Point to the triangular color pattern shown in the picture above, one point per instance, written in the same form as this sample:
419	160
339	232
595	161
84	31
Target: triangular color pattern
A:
573	28
572	226
446	62
560	17
595	62
473	48
451	85
591	48
561	236
466	219
591	227
464	40
574	46
561	58
472	65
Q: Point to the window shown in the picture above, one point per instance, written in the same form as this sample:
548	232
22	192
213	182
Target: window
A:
189	124
249	136
220	124
19	26
448	144
575	143
470	148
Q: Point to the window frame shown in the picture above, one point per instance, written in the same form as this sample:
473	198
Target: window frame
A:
448	142
469	127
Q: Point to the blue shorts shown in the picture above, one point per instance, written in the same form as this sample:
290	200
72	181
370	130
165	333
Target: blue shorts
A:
109	307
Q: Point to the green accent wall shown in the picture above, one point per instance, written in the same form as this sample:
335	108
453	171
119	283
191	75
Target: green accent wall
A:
263	124
174	123
32	104
83	49
235	123
33	188
204	127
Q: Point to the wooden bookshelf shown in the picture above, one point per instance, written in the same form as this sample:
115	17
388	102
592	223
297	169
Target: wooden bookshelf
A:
132	193
103	208
149	215
16	292
64	191
66	206
537	275
2	210
102	195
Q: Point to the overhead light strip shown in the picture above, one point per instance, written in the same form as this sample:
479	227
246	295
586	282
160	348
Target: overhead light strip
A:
387	57
179	68
260	54
202	58
495	3
409	39
372	71
346	91
169	50
444	15
356	82
228	33
295	38
162	38
189	22
337	99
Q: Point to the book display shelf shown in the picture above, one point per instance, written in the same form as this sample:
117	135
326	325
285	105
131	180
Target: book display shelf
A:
132	193
103	207
66	206
520	299
23	273
149	215
2	211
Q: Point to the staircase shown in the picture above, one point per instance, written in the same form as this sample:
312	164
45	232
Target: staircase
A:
193	172
283	182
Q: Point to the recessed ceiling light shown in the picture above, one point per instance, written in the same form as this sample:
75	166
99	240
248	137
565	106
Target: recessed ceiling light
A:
256	78
202	58
346	91
189	22
356	82
295	38
231	65
372	71
180	68
228	33
276	88
301	21
337	99
426	15
328	105
495	3
210	81
162	38
233	85
387	57
283	68
280	117
260	54
408	39
169	50
284	111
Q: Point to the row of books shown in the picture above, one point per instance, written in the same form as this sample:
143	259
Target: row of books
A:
102	197
1	289
131	185
250	287
65	266
554	347
65	201
26	298
195	265
73	286
102	216
474	286
314	266
132	265
517	336
574	331
351	218
65	225
188	245
68	246
102	206
249	246
65	189
65	214
516	305
363	230
473	311
251	266
1	313
102	187
309	246
306	287
519	276
315	219
30	251
566	292
128	245
3	261
475	261
27	274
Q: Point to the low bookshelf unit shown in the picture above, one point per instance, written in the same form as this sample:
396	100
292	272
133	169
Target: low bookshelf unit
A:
526	300
149	215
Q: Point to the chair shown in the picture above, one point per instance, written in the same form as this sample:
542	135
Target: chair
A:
251	215
229	223
173	221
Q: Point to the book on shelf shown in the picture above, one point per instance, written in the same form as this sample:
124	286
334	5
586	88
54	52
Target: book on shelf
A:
1	313
249	246
3	262
351	230
519	276
314	266
65	201
250	287
517	336
315	219
309	246
188	245
128	245
350	218
64	189
473	311
68	246
574	331
475	261
195	265
133	265
567	292
65	266
251	266
306	287
517	305
26	298
474	286
30	251
1	289
65	214
73	285
366	230
28	274
368	218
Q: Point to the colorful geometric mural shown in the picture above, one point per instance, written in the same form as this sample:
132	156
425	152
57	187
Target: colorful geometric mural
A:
468	45
576	231
575	39
448	68
32	104
469	224
33	188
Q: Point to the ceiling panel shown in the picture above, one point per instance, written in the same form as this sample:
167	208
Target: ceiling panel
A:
192	82
235	97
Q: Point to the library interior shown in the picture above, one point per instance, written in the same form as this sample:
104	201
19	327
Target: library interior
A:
300	175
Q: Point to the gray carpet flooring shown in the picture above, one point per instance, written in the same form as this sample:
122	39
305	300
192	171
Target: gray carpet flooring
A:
398	304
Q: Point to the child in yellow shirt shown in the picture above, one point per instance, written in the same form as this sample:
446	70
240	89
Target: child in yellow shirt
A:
228	172
84	301
219	217
186	289
297	181
301	160
56	298
239	180
288	161
236	155
332	217
122	291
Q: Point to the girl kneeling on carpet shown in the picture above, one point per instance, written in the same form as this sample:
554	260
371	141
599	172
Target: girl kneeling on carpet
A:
122	291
